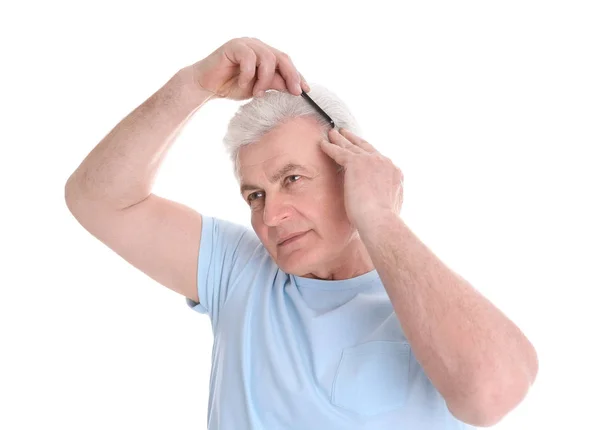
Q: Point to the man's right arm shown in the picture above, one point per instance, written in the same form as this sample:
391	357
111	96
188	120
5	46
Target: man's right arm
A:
110	192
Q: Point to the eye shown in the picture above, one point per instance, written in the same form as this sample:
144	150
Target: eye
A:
252	196
293	176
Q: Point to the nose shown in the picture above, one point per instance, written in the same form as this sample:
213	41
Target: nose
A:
276	210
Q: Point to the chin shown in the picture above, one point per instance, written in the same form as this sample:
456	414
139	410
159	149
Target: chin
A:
293	266
299	262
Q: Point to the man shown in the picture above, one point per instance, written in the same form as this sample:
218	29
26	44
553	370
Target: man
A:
331	314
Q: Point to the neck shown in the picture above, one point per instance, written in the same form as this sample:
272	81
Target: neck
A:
352	262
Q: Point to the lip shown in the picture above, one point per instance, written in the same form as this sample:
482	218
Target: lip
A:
293	238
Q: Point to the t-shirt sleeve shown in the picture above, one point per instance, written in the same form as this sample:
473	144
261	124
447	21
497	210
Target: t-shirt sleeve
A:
226	249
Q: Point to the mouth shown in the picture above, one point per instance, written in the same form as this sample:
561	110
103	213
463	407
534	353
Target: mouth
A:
293	239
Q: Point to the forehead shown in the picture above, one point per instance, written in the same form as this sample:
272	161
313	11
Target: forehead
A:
295	141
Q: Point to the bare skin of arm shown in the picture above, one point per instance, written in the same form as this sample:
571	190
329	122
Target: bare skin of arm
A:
110	193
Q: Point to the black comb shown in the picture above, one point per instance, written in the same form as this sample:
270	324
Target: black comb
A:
316	106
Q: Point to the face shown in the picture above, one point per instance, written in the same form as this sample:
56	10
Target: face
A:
306	197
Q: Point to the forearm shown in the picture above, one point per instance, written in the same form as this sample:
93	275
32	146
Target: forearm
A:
121	169
479	360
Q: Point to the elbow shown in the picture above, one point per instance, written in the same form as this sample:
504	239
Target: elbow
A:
492	401
491	404
476	415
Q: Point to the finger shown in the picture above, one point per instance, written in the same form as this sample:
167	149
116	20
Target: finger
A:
285	64
266	63
338	154
304	83
246	58
340	140
295	81
288	71
356	140
279	83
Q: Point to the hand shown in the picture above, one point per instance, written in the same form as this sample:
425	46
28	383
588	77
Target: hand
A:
373	185
243	67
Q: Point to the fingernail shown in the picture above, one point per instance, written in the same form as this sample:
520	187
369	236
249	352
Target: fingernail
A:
298	87
260	93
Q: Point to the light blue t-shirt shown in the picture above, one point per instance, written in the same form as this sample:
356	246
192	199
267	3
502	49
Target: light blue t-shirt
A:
301	353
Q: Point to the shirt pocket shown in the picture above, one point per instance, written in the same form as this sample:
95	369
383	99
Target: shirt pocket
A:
372	377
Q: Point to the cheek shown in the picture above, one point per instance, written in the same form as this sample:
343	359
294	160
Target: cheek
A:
328	216
330	202
260	229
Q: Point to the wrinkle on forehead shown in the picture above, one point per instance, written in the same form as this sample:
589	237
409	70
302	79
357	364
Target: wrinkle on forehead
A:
293	141
261	162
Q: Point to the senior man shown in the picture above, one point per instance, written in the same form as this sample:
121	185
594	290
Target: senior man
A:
331	313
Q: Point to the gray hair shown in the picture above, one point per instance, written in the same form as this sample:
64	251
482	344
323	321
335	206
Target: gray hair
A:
262	114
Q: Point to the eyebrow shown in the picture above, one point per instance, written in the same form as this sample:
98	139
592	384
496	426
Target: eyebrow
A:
275	177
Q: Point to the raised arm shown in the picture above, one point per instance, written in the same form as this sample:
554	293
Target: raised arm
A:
110	193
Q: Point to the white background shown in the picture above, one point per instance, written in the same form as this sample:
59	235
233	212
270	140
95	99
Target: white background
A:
491	110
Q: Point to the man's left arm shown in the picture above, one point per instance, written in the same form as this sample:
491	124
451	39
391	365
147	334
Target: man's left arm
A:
479	360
